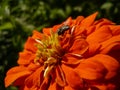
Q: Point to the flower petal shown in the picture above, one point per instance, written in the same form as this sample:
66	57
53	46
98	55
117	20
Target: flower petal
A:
90	29
100	35
65	42
78	20
78	32
25	57
60	78
35	79
115	29
68	21
37	35
93	49
105	87
30	45
45	84
52	86
19	81
79	46
55	86
47	31
71	59
72	78
103	22
89	20
109	44
33	67
91	69
15	73
109	63
69	88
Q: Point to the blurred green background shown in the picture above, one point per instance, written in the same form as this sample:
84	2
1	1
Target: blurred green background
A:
19	17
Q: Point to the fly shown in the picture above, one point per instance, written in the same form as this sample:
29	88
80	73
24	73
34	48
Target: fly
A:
62	29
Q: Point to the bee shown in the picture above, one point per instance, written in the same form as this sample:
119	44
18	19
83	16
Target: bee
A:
62	29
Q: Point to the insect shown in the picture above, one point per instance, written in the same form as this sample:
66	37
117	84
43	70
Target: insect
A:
62	29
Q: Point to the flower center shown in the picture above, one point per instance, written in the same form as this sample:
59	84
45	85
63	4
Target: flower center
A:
49	53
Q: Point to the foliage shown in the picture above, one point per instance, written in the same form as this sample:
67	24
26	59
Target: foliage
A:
19	17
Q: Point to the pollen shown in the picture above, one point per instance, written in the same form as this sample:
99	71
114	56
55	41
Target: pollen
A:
49	53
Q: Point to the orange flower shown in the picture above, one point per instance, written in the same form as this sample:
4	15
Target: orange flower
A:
78	54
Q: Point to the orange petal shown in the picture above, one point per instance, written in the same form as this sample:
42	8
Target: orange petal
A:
15	73
19	81
24	88
78	20
91	70
35	79
25	57
45	84
37	35
32	88
60	78
72	78
105	87
79	46
54	86
71	59
115	29
68	21
110	43
69	88
109	63
47	31
65	42
100	35
90	29
55	27
78	31
30	45
102	22
93	49
33	67
89	20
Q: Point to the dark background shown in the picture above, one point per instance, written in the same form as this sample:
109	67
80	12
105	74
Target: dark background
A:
19	17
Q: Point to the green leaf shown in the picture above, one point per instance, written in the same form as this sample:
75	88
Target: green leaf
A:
7	25
107	5
12	88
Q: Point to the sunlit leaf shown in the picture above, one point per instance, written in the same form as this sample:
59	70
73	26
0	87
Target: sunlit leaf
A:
107	5
7	25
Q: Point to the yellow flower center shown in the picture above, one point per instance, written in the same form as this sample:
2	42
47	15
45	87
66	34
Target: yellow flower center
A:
49	52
